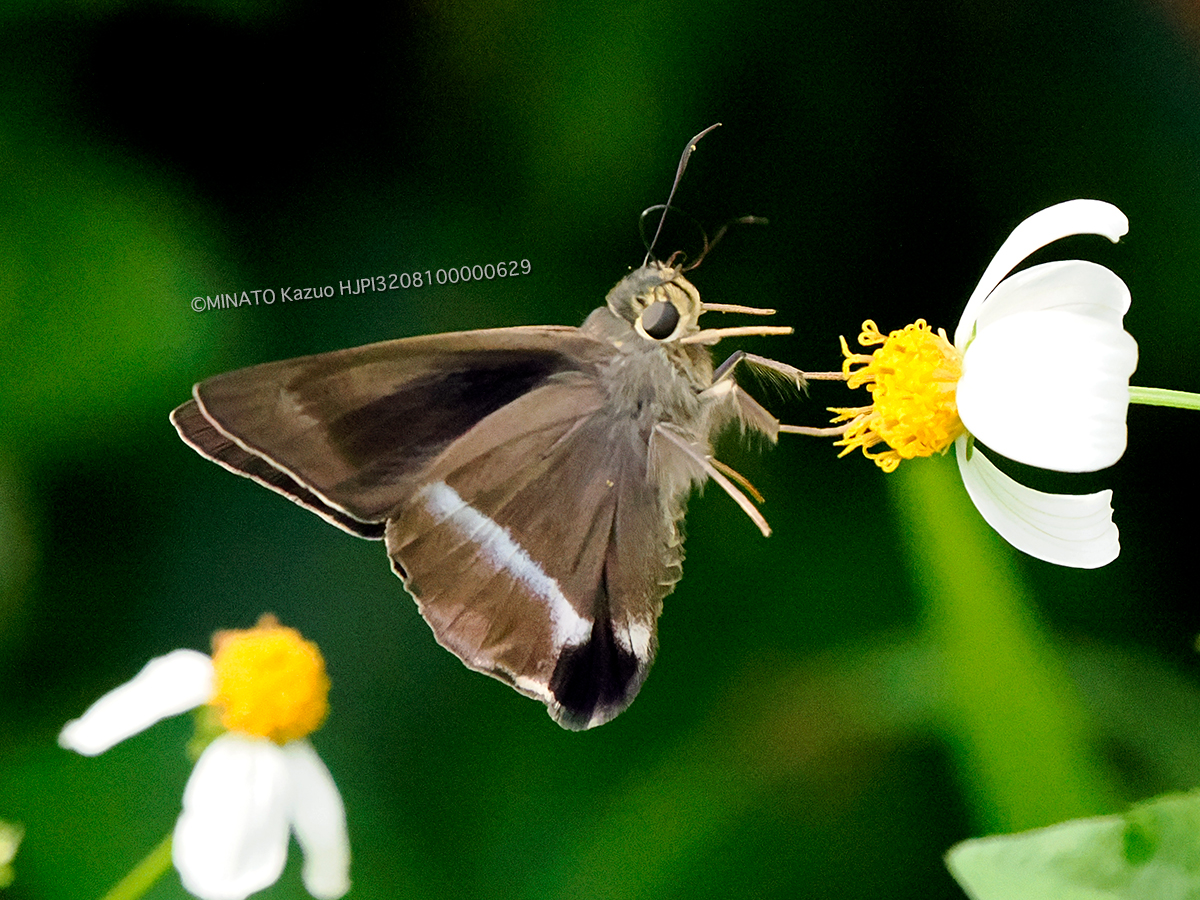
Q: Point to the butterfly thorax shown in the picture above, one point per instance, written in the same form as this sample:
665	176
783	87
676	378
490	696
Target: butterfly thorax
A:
647	381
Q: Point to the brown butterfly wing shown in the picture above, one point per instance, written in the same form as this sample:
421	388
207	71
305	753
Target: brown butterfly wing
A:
539	550
520	516
348	434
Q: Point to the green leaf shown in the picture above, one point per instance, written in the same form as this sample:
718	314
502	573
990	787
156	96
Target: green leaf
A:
1151	852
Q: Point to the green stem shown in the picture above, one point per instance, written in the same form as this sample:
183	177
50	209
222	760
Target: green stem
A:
1016	725
1163	397
144	874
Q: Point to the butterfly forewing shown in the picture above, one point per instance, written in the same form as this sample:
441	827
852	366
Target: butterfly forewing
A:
357	427
200	432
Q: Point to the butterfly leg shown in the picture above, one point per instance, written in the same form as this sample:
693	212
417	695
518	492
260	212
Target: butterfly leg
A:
750	411
725	370
717	471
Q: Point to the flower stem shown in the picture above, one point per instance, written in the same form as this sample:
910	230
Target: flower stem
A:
143	876
1018	728
1163	397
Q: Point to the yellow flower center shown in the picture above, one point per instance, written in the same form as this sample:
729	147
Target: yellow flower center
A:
912	379
270	682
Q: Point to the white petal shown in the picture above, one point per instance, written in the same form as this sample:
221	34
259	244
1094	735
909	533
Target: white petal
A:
319	820
1073	285
1065	529
166	686
1049	388
231	838
1040	229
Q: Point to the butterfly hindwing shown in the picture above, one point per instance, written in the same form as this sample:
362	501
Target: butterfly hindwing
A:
539	551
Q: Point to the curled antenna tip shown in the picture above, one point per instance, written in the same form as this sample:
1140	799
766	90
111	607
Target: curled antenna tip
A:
683	161
693	141
708	245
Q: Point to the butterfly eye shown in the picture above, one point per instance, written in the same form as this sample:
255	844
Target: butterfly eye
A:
660	319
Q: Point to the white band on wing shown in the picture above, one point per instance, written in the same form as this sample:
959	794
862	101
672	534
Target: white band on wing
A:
506	555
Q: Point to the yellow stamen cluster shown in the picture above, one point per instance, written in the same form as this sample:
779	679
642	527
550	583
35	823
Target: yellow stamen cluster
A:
912	379
270	682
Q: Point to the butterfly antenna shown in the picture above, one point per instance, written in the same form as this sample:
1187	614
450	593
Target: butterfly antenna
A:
708	245
642	230
683	161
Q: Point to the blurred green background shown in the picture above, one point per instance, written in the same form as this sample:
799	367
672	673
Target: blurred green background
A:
831	707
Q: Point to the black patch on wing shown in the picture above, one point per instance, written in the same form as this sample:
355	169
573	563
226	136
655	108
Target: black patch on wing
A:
595	674
425	414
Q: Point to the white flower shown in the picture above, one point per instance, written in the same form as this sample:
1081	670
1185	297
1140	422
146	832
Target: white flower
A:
1039	371
1046	366
247	791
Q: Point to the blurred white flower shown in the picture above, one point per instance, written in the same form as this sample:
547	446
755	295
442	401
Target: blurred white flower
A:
11	835
257	781
1039	371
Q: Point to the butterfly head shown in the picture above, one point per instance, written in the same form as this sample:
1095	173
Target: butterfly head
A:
660	304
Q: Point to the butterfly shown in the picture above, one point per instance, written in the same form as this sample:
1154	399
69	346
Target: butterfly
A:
529	483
